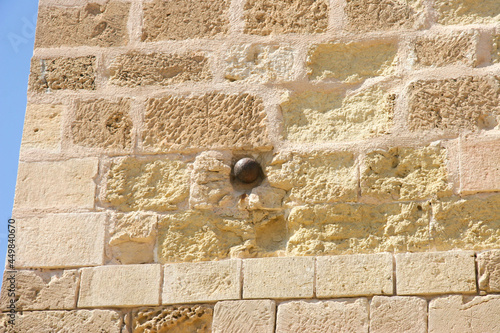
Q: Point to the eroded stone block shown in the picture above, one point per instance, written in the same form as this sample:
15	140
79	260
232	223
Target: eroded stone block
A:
489	270
398	314
479	166
244	316
42	126
467	12
173	319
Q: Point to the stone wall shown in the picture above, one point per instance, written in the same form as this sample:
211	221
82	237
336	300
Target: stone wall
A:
377	126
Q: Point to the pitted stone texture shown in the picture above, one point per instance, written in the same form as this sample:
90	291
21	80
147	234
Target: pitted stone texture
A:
265	197
465	314
94	25
201	282
108	321
435	273
213	120
62	73
495	49
471	223
479	166
278	277
120	286
265	17
157	185
138	69
42	126
173	319
354	275
102	124
332	116
454	105
62	185
489	270
467	12
398	315
244	316
352	62
405	174
36	290
350	315
259	63
80	240
316	177
184	19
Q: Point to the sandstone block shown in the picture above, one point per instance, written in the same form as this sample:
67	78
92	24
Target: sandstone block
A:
349	315
42	126
479	166
291	277
175	319
489	270
398	315
244	316
120	286
184	19
201	282
354	275
60	240
462	313
467	12
62	185
435	273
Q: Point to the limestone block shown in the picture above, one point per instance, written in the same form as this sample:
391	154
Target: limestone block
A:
464	314
321	116
244	316
36	290
137	184
489	270
184	19
291	277
63	185
435	273
42	126
398	314
348	315
352	62
265	17
173	319
138	69
467	12
93	24
213	120
354	275
120	286
201	282
60	240
479	166
405	174
102	124
62	73
495	49
453	105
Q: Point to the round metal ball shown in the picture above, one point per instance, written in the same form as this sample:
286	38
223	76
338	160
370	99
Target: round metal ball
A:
247	170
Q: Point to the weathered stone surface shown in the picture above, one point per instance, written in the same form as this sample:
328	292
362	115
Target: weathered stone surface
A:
354	275
42	126
93	24
120	286
453	105
102	124
138	69
479	166
135	184
464	314
352	62
201	282
244	316
495	48
173	319
398	315
350	315
265	17
184	19
212	120
435	273
467	12
62	73
488	264
36	290
332	116
405	174
278	277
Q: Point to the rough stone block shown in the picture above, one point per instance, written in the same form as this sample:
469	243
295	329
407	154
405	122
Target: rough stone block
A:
495	47
120	286
479	166
354	275
201	282
349	315
175	319
435	273
291	277
244	316
184	19
467	12
489	270
398	315
42	126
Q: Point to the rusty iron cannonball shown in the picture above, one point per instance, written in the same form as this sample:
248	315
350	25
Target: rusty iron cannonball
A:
247	170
